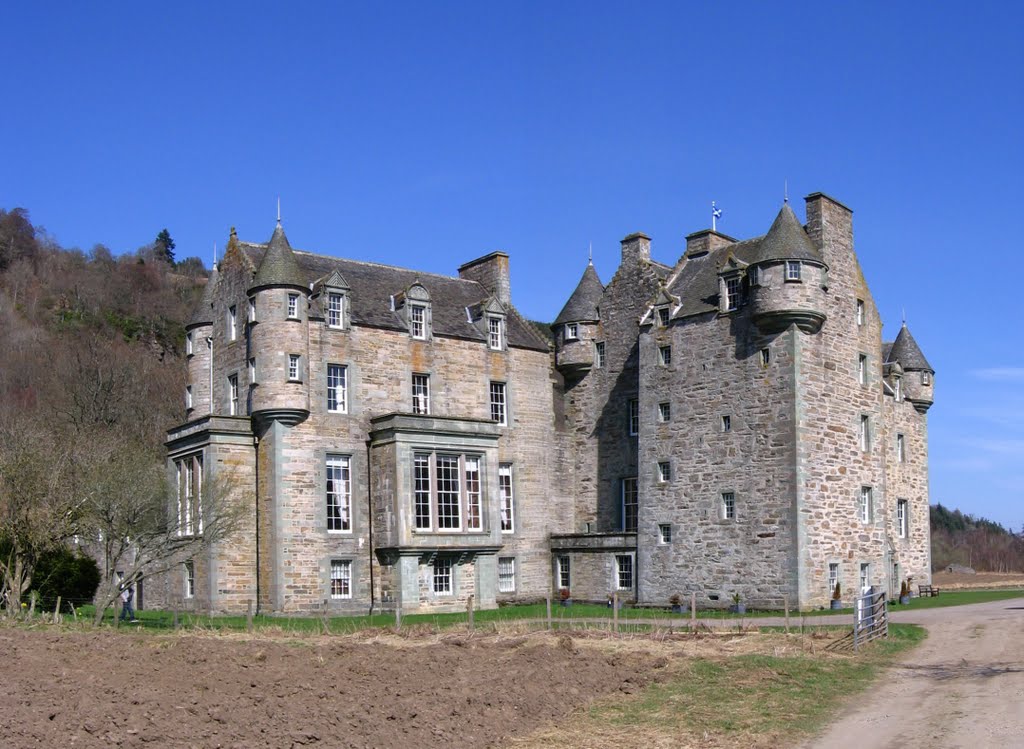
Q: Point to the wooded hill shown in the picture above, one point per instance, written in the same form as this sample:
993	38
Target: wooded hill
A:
963	539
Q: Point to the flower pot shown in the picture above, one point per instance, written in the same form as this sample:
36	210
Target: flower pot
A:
738	608
904	600
677	609
836	604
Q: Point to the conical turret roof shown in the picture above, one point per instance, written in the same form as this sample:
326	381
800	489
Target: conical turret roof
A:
786	240
582	305
279	267
203	313
906	351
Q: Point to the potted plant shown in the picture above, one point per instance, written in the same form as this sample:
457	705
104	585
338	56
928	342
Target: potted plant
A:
676	601
737	607
564	597
904	593
837	598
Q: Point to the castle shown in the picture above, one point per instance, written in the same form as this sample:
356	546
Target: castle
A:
732	424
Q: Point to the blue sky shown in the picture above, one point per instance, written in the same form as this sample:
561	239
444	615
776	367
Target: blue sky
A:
428	134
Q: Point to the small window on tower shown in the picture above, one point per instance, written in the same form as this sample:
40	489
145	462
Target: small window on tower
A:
599	354
860	312
727	423
571	331
664	355
792	270
663	316
665	411
293	306
766	357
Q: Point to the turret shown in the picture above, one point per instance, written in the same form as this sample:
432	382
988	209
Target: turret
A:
278	335
918	380
199	352
787	278
576	326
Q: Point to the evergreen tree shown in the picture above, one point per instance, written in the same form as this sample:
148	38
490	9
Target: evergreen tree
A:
165	246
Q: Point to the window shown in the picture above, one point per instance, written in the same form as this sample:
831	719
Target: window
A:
446	488
233	395
664	355
792	270
341	578
188	397
865	432
188	345
897	388
293	306
506	497
339	494
418	321
926	378
495	333
624	572
499	403
663	316
443	577
293	367
599	354
571	331
190	495
728	505
862	369
860	312
903	517
252	371
766	357
634	417
337	388
833	576
252	309
665	411
232	322
866	504
420	393
727	423
865	576
664	471
506	575
190	579
754	275
564	577
335	310
630	504
665	533
732	294
901	448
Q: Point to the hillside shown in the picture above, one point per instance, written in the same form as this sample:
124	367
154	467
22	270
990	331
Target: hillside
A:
958	538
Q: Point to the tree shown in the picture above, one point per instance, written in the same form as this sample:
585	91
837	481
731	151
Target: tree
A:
165	246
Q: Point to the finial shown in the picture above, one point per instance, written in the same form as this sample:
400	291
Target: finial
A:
278	210
904	317
215	256
785	191
590	254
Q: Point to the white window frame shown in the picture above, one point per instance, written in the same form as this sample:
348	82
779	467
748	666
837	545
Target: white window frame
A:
664	471
633	417
664	533
335	310
338	493
599	354
232	323
563	565
926	377
421	393
862	369
188	398
506	574
472	490
495	333
190	579
833	577
252	309
506	494
233	394
864	433
860	313
432	479
189	344
630	504
901	448
337	388
897	388
867	504
572	331
294	361
754	276
499	402
443	577
903	518
794	271
190	494
664	316
728	506
418	321
733	291
341	579
624	572
665	355
293	306
665	411
865	577
252	370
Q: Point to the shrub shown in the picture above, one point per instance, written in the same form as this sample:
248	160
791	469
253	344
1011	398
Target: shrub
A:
72	576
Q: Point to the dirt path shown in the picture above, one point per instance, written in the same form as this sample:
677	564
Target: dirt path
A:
963	687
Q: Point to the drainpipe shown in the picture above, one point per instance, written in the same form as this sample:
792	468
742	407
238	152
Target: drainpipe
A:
369	518
256	507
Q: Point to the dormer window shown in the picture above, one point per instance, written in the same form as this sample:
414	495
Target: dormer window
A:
335	310
293	306
732	294
663	316
418	321
571	331
232	323
792	270
495	333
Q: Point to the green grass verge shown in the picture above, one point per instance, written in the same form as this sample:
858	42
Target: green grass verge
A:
755	697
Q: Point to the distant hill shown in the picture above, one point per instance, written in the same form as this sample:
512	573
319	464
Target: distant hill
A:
958	538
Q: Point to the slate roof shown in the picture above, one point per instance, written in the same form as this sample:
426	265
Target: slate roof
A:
694	281
584	301
906	351
203	313
373	284
278	266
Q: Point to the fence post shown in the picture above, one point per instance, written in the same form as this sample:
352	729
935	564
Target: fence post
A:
615	611
548	601
56	611
177	625
325	619
248	616
785	603
469	611
693	612
398	615
117	611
